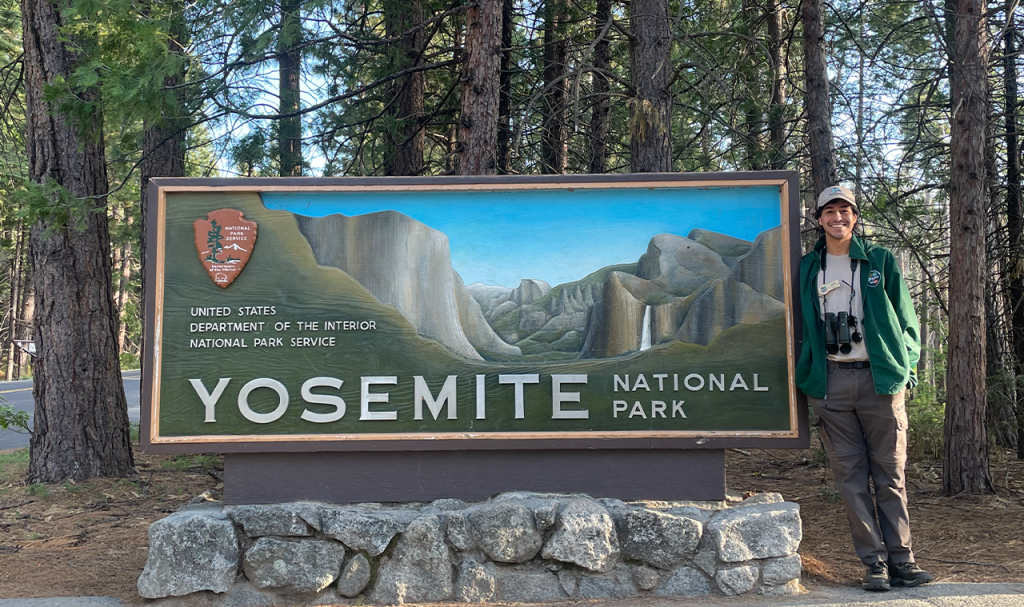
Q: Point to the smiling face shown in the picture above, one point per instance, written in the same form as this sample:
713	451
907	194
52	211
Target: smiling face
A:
838	220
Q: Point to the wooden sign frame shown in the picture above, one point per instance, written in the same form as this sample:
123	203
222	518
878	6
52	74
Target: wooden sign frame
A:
155	439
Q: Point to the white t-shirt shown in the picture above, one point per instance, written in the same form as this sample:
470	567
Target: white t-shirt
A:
844	297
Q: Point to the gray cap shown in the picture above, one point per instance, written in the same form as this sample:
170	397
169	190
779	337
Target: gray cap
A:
833	193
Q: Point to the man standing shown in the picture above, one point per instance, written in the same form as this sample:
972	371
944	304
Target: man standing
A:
860	351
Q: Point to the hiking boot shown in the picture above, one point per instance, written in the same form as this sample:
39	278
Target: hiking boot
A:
877	577
908	575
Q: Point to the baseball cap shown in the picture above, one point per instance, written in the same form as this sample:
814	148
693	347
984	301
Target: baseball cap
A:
836	192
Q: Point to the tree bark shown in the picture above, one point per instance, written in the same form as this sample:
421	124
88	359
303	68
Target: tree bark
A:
163	155
405	131
966	458
289	63
1014	218
1000	420
650	111
505	91
124	271
777	104
750	73
81	416
28	311
554	133
12	307
819	107
602	101
478	125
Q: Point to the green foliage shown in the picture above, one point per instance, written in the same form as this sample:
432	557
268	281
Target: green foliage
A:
38	490
54	205
926	414
123	52
830	494
12	419
128	361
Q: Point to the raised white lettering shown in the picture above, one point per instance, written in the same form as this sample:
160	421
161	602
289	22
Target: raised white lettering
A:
210	400
518	381
481	397
366	397
657	408
422	394
558	397
323	399
263	418
699	386
618	406
677	407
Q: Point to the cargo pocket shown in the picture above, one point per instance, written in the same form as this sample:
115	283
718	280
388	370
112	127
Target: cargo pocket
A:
899	412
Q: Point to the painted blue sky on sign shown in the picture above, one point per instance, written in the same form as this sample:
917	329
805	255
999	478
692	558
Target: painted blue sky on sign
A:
558	236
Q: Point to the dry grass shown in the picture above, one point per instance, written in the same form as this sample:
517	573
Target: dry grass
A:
971	538
90	538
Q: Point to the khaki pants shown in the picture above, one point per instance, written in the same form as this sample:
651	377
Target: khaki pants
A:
865	435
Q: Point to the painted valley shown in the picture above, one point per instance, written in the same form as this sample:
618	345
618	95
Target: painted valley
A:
343	325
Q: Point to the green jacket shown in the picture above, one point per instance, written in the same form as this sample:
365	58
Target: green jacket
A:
891	331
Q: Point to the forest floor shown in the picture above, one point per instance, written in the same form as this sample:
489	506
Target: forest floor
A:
89	538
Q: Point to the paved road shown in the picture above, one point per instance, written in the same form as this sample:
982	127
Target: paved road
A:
18	394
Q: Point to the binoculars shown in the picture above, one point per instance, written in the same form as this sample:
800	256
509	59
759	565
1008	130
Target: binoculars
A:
840	332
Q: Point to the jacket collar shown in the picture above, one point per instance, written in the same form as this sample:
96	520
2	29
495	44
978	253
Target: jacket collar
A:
858	247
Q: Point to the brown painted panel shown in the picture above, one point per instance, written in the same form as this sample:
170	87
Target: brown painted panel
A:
409	476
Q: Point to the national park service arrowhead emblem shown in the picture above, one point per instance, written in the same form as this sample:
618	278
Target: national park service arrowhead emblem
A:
224	240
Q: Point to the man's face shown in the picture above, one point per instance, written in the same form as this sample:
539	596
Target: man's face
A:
838	220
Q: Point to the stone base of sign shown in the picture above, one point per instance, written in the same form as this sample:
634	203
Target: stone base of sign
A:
515	547
416	476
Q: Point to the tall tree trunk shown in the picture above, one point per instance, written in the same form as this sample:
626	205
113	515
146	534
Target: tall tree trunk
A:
750	72
28	310
858	184
777	105
163	151
81	415
650	111
999	414
819	108
1014	215
554	133
602	101
124	272
12	307
966	459
924	374
478	124
289	64
405	131
505	91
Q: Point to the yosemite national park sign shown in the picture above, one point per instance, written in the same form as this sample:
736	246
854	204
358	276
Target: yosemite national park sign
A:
657	309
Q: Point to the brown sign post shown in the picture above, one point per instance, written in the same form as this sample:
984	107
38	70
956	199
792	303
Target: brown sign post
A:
407	339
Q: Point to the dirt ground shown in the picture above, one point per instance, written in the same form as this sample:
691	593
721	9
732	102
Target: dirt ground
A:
90	538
